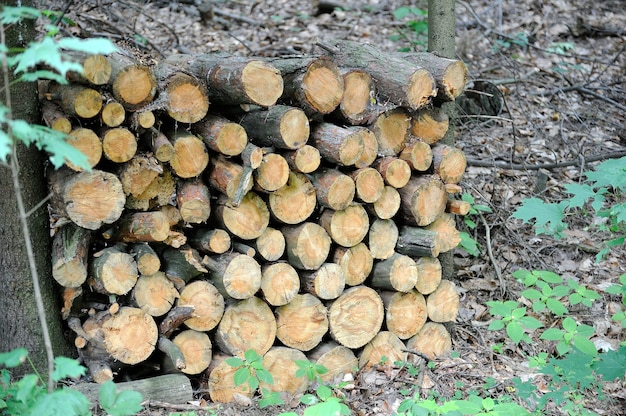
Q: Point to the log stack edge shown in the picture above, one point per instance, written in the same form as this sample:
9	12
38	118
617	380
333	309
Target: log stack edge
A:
295	206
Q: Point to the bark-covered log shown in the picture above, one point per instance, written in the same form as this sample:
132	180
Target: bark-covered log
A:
209	241
356	262
133	84
337	359
391	129
394	171
368	183
339	145
55	118
185	97
270	246
70	255
280	283
398	272
358	90
88	142
387	206
295	201
305	159
190	154
208	305
326	283
221	135
346	227
443	303
130	335
418	154
281	364
433	341
193	200
77	100
333	189
308	245
449	163
382	238
429	274
148	261
247	221
112	271
280	126
154	294
417	242
235	275
405	313
196	348
119	144
450	74
430	124
272	174
448	237
423	200
113	113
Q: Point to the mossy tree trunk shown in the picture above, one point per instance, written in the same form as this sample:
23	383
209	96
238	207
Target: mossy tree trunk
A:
441	41
19	323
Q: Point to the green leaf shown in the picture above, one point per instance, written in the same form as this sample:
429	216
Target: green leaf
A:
93	46
127	402
611	364
265	376
241	376
324	392
253	383
499	308
11	15
556	307
530	322
581	194
610	173
234	361
251	356
496	325
107	394
552	334
547	217
62	402
13	358
308	399
401	12
531	294
469	244
67	367
515	331
548	276
27	388
585	345
569	324
45	52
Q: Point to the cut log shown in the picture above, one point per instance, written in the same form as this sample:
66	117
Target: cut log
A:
242	248
356	263
370	149
77	100
130	336
308	245
139	173
197	350
194	201
54	117
221	382
235	275
70	294
449	163
369	184
167	388
270	245
119	145
337	359
134	85
221	135
70	251
226	177
280	283
234	80
429	274
417	242
356	316
405	314
148	261
334	190
174	354
326	283
306	159
382	238
190	154
112	271
246	325
347	227
302	323
182	264
398	80
272	174
338	145
417	154
143	120
394	171
433	341
281	364
385	348
89	144
154	294
458	207
295	201
430	124
160	145
113	114
358	90
314	84
398	273
138	227
387	206
207	302
247	221
209	241
158	193
423	199
443	303
185	97
448	237
96	68
391	129
280	126
450	74
89	199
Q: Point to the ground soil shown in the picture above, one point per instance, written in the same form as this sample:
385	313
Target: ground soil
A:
558	115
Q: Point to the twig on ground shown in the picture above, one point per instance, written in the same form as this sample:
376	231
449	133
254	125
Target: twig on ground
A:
522	166
496	266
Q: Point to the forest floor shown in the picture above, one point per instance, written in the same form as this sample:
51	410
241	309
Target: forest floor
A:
559	68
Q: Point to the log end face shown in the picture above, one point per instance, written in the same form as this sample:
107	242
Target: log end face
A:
262	82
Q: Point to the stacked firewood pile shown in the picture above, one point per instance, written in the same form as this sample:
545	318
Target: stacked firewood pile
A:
295	206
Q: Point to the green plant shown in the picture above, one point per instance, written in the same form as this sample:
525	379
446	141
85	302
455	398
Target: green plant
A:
250	370
468	242
415	27
28	395
513	319
603	191
619	289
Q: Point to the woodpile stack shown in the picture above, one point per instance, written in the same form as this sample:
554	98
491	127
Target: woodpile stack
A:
295	206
